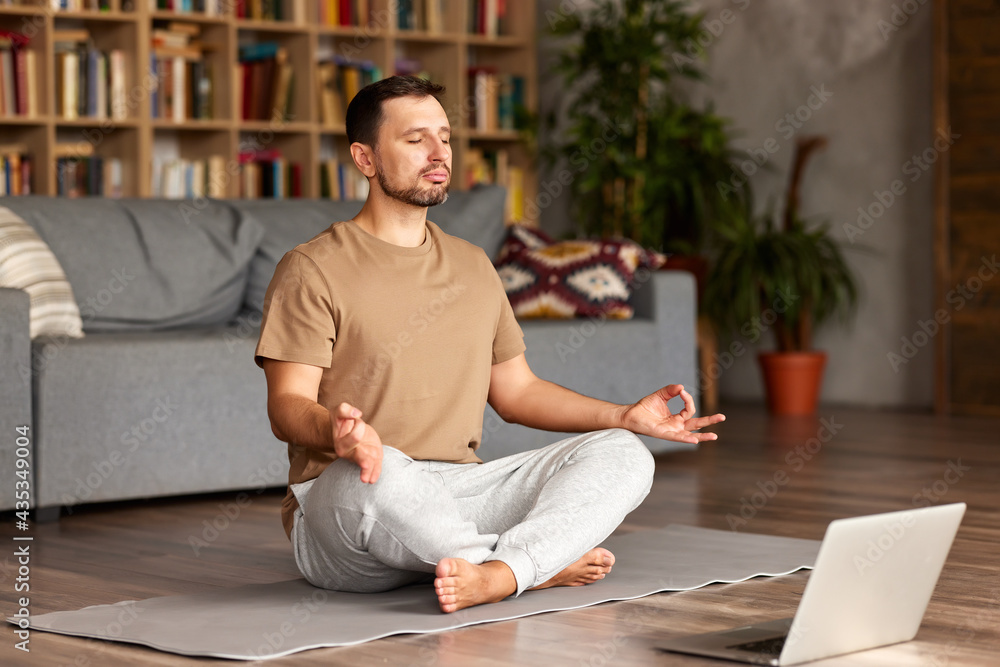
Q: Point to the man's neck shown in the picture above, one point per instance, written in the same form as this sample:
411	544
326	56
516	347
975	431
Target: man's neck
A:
393	221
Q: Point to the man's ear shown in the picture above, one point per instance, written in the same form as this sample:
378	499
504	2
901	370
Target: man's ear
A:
364	158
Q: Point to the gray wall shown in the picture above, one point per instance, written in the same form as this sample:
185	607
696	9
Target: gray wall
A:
763	65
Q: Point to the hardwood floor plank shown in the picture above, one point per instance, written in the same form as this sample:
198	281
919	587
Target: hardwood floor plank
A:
771	476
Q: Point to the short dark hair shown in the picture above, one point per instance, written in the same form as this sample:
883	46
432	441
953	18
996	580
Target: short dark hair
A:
364	113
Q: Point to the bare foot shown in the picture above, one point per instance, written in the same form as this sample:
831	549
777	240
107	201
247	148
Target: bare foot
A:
460	584
592	566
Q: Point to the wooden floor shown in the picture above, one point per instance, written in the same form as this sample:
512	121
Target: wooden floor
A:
874	462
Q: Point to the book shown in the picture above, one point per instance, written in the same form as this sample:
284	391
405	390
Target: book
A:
118	96
266	81
90	107
281	102
177	178
8	107
330	102
18	96
67	82
15	164
95	175
484	85
178	77
31	69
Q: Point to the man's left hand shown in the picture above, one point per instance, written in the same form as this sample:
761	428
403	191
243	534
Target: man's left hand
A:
651	416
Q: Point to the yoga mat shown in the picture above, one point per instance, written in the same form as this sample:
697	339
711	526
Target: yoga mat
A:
271	620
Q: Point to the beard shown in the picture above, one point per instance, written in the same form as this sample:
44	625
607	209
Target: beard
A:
414	195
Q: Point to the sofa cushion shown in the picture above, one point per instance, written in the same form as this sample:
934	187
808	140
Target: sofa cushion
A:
28	264
475	215
582	278
140	264
286	224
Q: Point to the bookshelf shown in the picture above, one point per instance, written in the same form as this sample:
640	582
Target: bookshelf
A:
146	135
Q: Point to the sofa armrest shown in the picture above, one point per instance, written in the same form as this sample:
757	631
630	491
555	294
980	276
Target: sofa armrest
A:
15	384
669	298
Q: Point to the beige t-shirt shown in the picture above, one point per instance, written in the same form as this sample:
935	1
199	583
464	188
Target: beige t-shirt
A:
406	335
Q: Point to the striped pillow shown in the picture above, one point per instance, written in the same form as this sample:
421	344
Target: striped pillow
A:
27	263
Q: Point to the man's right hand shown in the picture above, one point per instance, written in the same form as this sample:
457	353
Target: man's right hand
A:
356	441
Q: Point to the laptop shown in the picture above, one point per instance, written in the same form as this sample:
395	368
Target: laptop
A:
870	586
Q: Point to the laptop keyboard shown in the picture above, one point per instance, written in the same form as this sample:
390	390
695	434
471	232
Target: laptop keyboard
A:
771	646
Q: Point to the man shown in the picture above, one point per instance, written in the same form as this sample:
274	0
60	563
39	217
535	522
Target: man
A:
382	340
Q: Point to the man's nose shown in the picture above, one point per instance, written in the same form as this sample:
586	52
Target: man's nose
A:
440	151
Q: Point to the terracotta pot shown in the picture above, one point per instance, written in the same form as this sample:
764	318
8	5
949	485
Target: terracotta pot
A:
792	381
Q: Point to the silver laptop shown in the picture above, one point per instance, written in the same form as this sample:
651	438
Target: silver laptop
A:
873	578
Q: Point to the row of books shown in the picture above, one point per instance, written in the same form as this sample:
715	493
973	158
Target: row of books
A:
266	174
338	81
327	12
262	174
58	5
73	5
341	181
488	17
79	171
184	89
18	76
92	175
271	10
266	82
185	79
424	15
15	170
261	10
494	167
495	99
206	7
179	178
89	82
344	12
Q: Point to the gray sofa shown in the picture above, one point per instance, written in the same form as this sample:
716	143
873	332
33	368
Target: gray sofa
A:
161	397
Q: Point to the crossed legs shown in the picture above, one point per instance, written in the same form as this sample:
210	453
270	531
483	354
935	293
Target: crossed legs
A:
482	531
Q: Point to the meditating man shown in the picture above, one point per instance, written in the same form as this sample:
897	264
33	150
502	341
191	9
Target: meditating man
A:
382	340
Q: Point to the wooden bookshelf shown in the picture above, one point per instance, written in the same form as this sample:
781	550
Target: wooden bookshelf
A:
140	140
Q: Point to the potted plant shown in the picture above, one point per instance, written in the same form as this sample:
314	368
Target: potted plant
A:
787	278
645	163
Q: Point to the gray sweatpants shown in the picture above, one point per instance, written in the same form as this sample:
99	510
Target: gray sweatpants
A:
537	511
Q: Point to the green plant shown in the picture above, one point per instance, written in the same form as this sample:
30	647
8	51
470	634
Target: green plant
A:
646	164
787	277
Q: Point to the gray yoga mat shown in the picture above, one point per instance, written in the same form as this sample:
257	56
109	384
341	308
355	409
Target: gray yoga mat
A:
271	620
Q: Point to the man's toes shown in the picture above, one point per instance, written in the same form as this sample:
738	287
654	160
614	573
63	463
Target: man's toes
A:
606	558
446	567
